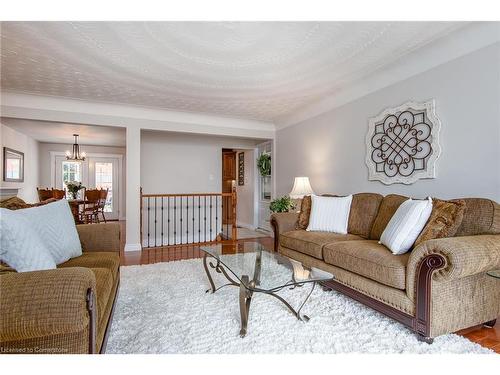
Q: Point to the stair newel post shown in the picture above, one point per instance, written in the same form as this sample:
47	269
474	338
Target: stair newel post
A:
234	233
140	213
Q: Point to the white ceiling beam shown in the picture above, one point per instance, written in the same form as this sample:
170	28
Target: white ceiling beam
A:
46	108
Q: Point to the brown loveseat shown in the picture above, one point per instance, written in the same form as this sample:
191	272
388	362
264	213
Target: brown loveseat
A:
68	309
440	287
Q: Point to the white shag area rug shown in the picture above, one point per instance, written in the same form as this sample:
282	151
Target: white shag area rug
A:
163	308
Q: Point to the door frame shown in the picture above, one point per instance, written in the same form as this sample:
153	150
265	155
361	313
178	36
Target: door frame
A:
53	166
264	204
92	160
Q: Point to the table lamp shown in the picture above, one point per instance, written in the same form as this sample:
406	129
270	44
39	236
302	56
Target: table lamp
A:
301	187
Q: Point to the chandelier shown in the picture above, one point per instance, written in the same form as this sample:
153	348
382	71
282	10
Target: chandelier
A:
76	155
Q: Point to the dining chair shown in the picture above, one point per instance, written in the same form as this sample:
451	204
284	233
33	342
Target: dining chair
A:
102	203
58	193
44	194
90	210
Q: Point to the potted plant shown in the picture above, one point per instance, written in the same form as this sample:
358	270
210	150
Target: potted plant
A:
74	187
283	204
264	164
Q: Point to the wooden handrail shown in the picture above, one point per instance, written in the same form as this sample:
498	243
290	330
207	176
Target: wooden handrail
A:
187	195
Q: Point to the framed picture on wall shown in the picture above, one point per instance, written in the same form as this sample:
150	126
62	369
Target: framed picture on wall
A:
241	169
13	165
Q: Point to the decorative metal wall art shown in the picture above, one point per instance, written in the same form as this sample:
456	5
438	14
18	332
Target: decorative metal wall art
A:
402	144
241	169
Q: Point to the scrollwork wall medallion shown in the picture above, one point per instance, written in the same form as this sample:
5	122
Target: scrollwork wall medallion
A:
403	143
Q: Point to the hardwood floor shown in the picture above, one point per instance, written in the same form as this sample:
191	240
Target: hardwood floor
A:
487	337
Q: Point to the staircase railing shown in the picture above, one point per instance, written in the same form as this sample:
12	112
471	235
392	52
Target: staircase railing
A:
180	219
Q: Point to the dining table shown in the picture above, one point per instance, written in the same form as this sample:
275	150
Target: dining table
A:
75	204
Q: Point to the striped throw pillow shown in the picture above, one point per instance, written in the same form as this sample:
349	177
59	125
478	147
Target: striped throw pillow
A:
329	214
406	224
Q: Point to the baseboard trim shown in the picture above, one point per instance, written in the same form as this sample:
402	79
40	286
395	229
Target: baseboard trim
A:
245	225
133	247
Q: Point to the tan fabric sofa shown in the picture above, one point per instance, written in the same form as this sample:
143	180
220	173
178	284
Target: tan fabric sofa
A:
440	287
68	309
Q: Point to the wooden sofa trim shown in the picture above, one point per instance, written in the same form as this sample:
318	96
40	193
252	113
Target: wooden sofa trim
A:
375	304
110	320
425	269
91	308
274	225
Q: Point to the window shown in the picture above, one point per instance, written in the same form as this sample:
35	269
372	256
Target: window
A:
265	188
104	180
71	171
13	168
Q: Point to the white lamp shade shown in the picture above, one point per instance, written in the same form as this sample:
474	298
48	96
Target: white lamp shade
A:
301	187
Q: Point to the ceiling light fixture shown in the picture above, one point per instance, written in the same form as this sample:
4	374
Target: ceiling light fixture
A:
76	155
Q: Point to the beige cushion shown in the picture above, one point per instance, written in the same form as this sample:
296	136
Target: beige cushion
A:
481	216
311	243
388	207
364	209
370	259
390	296
104	287
108	260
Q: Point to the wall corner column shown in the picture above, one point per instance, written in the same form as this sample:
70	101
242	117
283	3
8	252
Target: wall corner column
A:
133	240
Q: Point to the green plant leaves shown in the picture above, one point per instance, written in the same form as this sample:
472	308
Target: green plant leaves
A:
283	204
264	164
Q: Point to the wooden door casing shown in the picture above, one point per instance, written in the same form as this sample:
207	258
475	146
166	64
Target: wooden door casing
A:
229	165
228	175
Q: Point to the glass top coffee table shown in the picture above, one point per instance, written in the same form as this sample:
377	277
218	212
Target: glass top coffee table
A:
255	270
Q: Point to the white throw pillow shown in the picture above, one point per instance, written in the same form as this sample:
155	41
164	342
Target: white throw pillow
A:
329	214
20	246
406	224
55	225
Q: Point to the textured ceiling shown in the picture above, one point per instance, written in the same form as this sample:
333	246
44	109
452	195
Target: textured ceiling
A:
57	132
253	70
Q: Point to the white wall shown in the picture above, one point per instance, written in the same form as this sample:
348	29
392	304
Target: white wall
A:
330	148
45	164
133	240
245	209
21	142
184	163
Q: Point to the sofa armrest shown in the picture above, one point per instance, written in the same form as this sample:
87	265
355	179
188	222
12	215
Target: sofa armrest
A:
46	308
99	237
283	222
463	256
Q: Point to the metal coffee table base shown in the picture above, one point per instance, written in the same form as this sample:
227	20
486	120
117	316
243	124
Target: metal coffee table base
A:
247	288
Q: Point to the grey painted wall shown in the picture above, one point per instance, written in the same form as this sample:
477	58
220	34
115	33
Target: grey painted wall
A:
330	148
184	163
21	142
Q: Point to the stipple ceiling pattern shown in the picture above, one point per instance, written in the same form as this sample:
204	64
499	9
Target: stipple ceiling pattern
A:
255	70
